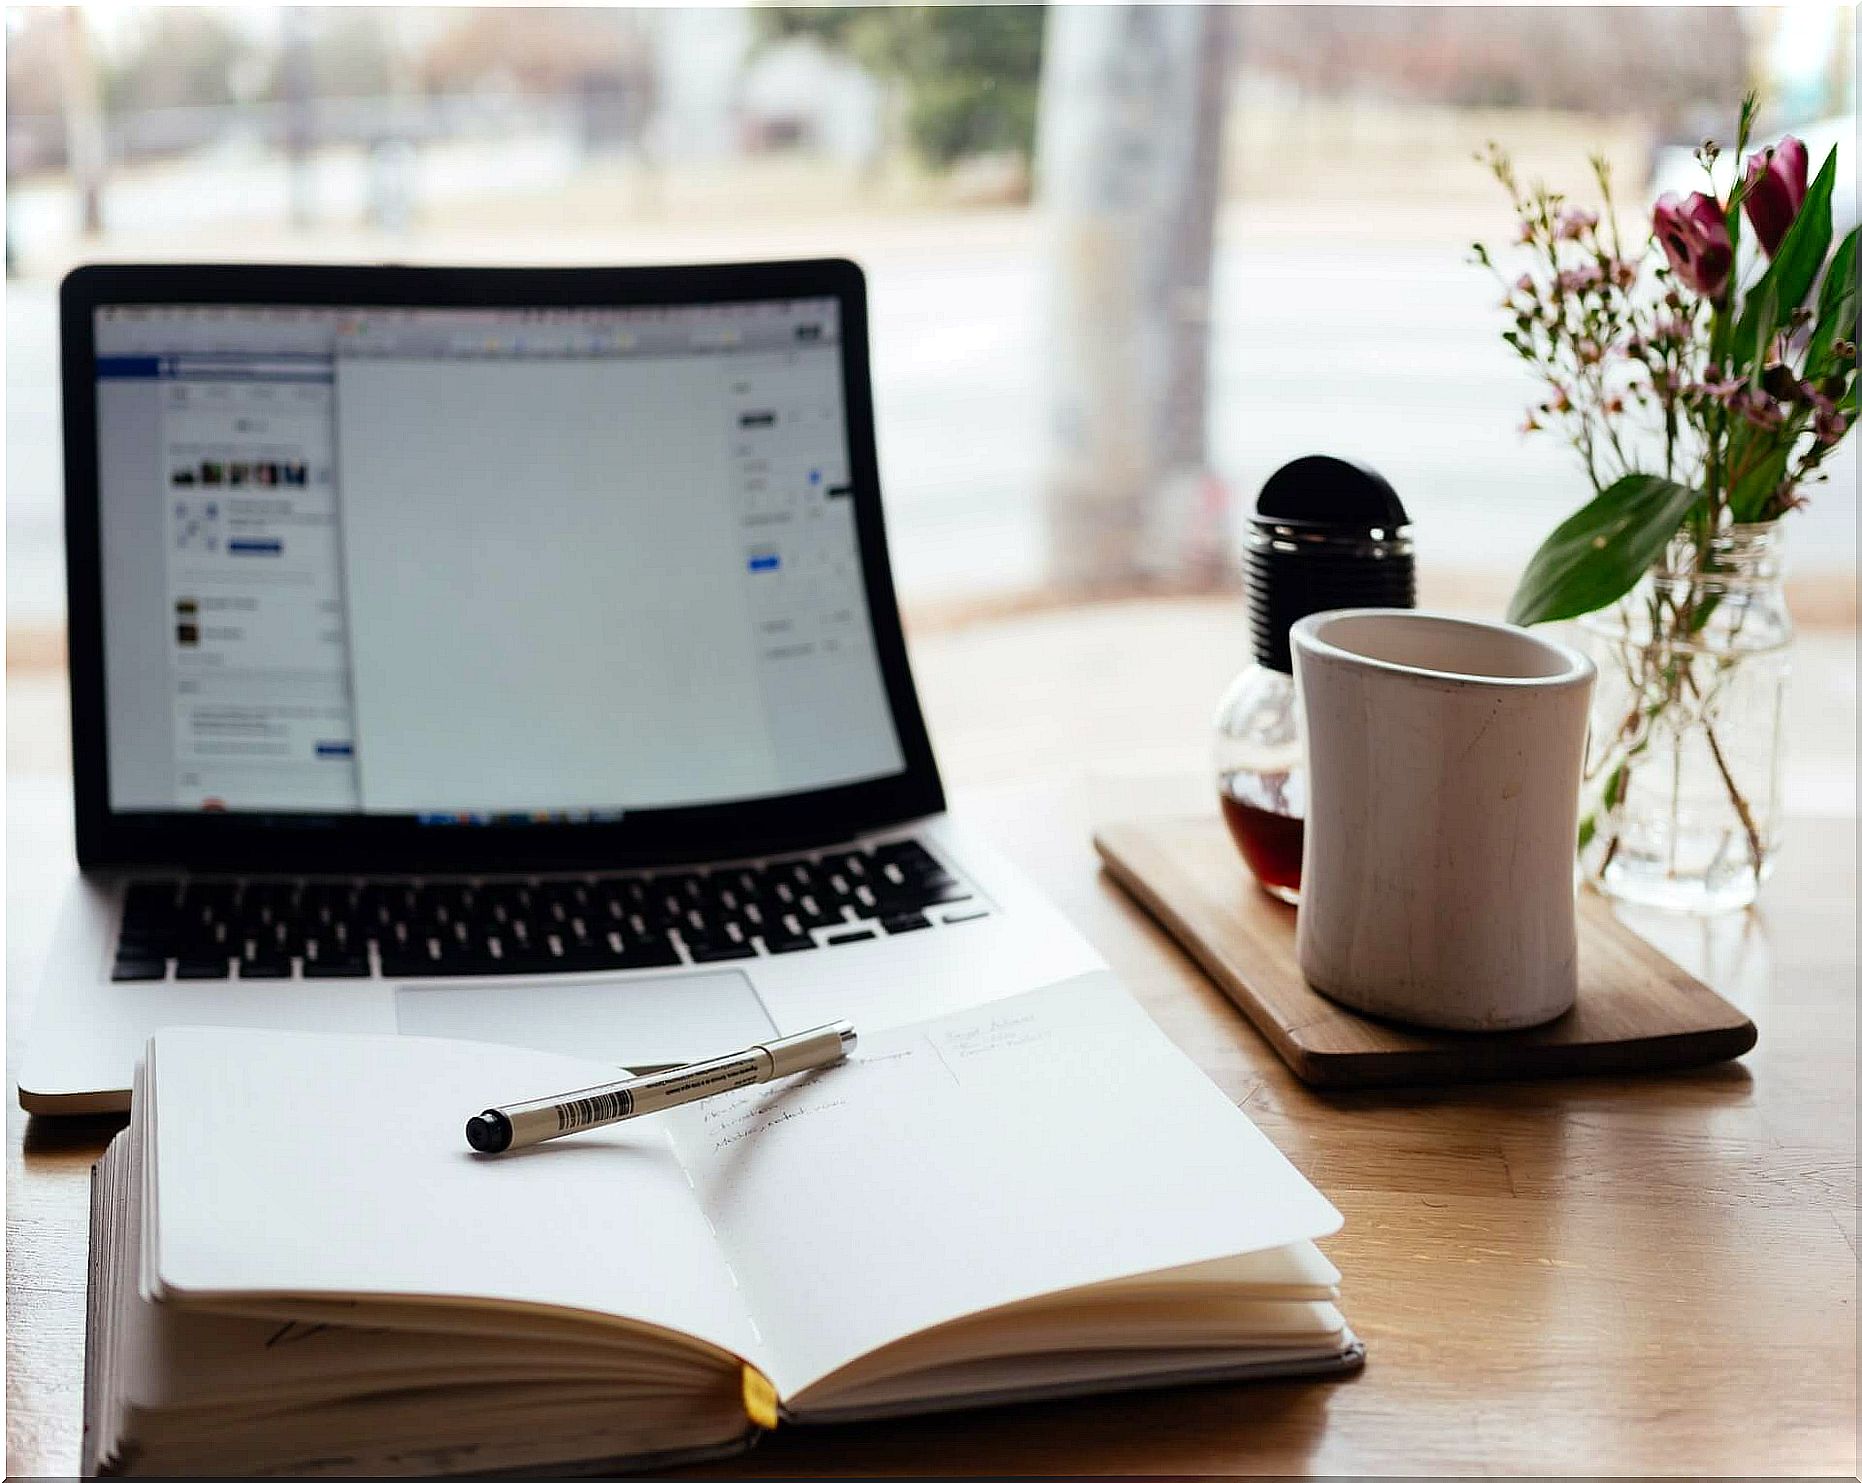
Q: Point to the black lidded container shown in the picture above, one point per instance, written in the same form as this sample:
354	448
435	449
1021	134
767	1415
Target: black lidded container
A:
1325	533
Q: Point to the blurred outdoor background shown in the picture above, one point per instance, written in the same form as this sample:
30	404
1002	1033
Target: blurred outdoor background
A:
1066	408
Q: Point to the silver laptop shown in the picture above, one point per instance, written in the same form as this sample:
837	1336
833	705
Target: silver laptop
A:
497	653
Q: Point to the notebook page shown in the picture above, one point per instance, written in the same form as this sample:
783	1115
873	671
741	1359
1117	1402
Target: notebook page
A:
337	1164
1045	1142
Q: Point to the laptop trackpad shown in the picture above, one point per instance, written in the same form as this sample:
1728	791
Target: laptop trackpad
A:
632	1020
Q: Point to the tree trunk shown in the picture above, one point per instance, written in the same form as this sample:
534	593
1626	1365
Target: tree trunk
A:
297	86
85	149
1132	102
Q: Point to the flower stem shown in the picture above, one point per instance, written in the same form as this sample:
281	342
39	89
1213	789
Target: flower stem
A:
1754	844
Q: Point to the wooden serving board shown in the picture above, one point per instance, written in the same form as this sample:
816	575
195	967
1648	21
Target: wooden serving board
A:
1636	1010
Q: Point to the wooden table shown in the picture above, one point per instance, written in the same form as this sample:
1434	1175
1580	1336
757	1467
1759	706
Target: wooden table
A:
1601	1276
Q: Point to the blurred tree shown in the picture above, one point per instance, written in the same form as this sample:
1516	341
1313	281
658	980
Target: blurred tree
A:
174	58
1658	61
34	43
533	49
300	111
348	53
35	65
1132	103
600	58
85	152
970	74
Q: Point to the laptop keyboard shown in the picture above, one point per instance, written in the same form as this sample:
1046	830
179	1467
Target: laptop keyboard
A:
271	928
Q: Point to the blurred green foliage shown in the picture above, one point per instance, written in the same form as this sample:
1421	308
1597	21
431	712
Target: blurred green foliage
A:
970	73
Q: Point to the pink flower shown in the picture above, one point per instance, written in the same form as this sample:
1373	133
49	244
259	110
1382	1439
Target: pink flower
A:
1828	420
1693	234
1714	386
1574	222
1759	408
1776	178
1577	280
1779	381
1524	284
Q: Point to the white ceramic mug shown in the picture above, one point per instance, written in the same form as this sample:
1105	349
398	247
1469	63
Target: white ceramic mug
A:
1443	761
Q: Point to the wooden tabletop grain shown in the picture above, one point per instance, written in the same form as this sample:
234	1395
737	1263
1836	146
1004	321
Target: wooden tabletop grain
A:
1624	1276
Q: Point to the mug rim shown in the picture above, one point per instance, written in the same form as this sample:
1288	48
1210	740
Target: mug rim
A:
1307	639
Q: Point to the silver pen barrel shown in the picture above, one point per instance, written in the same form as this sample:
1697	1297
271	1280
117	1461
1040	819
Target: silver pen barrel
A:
519	1124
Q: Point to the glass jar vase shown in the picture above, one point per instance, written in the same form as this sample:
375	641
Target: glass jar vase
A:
1682	771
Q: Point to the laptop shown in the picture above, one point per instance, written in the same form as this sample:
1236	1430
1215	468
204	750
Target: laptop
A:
505	654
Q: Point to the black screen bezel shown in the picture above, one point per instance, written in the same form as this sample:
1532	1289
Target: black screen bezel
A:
375	843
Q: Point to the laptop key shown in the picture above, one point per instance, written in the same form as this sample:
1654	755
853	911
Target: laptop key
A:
404	964
346	967
265	968
144	942
785	943
841	937
801	872
815	915
590	955
463	967
138	970
649	952
203	968
718	950
906	853
910	896
912	922
850	863
685	886
528	961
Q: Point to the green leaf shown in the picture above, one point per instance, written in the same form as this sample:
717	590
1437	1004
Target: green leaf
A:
1836	308
1794	269
1600	552
1616	785
1762	302
1759	477
1703	611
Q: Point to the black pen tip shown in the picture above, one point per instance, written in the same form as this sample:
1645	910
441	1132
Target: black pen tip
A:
489	1132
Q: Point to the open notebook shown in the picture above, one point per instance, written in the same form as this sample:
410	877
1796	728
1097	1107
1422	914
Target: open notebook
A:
297	1265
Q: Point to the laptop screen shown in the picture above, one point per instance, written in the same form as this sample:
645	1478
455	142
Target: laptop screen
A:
480	565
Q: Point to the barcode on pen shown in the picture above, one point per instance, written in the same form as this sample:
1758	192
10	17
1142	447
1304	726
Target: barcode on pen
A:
587	1111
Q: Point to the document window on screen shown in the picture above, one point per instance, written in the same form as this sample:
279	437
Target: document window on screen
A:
481	564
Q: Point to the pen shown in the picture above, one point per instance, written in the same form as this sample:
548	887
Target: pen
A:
522	1123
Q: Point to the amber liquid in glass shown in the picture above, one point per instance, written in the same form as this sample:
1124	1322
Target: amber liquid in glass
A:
1265	812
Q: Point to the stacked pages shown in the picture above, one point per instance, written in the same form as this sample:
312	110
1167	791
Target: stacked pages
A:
298	1266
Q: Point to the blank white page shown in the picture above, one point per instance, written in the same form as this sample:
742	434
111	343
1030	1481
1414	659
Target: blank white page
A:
324	1165
1046	1142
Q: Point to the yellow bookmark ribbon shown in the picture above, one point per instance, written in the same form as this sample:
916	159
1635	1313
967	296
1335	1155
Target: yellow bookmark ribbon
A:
759	1398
